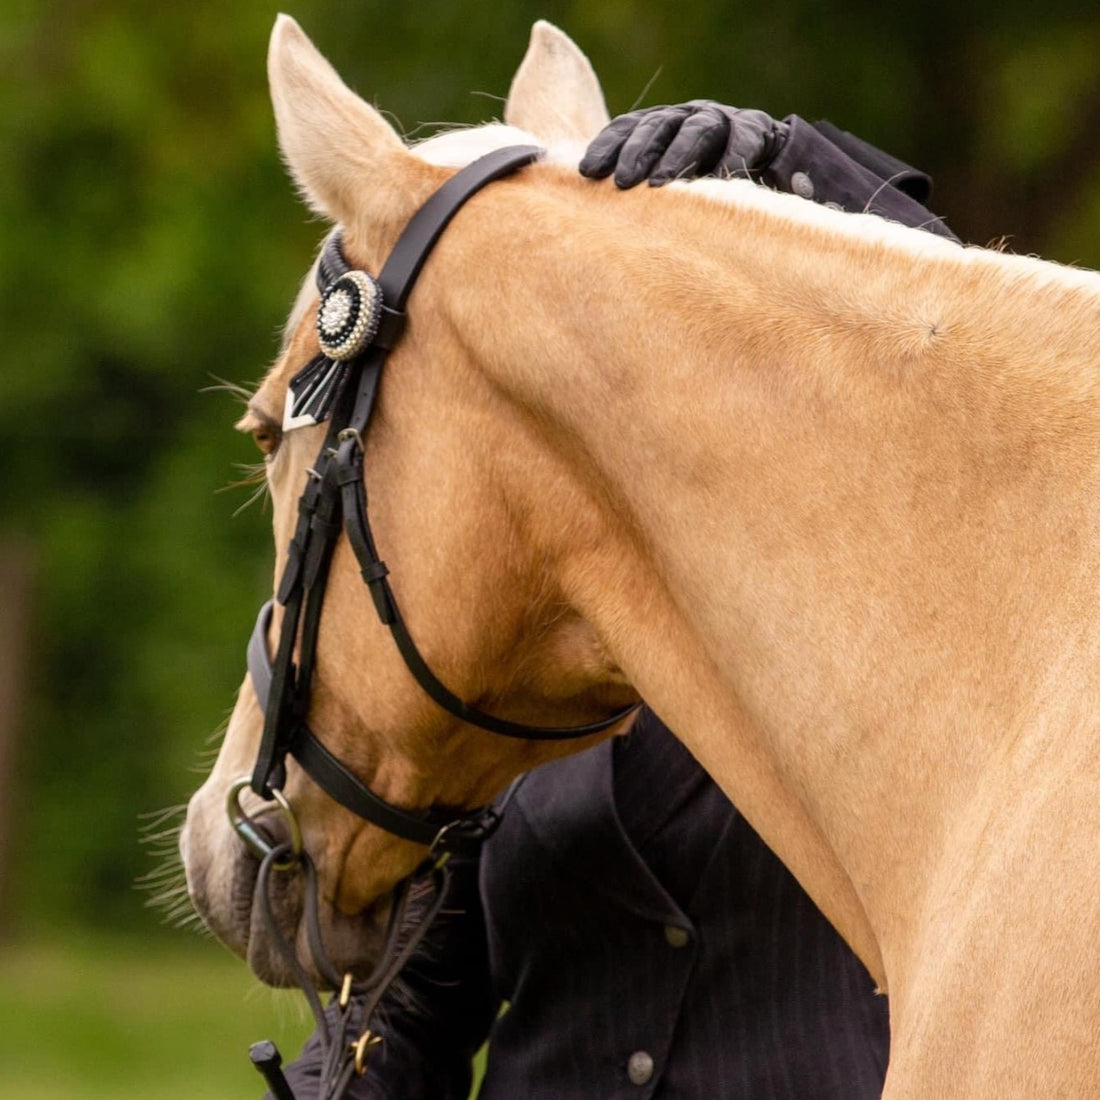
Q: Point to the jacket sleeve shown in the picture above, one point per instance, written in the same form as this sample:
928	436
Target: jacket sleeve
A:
830	166
434	1017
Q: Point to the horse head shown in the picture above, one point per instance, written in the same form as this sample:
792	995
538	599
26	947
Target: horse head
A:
504	636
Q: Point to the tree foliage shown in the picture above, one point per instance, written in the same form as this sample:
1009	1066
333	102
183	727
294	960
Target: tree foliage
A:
150	246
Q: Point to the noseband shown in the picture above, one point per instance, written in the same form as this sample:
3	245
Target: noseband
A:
360	320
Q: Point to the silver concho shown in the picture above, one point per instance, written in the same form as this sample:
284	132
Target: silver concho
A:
349	314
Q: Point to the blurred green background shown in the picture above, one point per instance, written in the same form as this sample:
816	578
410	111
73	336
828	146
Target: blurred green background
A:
150	246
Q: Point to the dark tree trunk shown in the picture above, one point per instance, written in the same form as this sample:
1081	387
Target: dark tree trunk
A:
16	579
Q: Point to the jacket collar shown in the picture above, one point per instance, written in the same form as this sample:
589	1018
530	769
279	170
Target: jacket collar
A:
570	806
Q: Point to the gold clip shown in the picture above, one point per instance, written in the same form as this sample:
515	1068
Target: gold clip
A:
345	990
360	1047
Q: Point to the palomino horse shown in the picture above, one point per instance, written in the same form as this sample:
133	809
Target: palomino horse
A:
823	490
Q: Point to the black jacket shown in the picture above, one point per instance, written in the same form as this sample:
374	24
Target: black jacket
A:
828	165
646	943
652	946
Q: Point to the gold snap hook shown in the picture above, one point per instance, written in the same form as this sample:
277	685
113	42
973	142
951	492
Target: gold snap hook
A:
360	1048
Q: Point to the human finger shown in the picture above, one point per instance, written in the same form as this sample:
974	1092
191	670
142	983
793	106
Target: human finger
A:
602	154
695	150
646	144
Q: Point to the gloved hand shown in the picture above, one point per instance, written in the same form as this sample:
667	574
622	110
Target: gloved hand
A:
433	1018
699	138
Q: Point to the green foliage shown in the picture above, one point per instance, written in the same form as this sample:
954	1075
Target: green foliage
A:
150	244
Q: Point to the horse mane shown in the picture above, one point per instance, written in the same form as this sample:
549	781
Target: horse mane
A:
942	307
458	146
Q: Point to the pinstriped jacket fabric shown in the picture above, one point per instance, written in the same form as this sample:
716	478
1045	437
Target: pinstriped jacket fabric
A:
652	946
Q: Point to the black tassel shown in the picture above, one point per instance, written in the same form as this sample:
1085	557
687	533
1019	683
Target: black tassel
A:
312	392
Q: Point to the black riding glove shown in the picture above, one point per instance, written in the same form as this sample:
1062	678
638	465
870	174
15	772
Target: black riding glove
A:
700	138
433	1018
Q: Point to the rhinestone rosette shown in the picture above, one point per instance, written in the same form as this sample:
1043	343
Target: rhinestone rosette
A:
348	317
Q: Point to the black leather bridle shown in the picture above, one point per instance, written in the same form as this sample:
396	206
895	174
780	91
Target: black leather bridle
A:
360	320
345	384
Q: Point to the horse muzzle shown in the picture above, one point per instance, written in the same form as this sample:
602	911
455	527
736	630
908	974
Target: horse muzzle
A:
256	891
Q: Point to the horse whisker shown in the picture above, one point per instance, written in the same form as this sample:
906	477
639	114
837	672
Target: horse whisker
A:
243	394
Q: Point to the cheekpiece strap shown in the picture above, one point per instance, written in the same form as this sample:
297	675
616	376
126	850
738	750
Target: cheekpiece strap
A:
358	321
444	830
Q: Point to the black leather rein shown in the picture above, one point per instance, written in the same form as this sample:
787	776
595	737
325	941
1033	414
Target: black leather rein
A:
342	383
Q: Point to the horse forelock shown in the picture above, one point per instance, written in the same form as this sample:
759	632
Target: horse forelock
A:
808	217
458	147
307	293
464	144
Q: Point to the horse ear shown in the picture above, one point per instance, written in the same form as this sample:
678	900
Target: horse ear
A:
339	149
555	95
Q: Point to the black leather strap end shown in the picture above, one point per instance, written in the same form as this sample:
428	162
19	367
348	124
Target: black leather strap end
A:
292	572
266	1058
259	660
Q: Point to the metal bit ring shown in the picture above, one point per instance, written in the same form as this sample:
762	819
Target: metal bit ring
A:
255	838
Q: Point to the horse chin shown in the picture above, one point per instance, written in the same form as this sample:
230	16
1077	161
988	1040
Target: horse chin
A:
351	944
263	925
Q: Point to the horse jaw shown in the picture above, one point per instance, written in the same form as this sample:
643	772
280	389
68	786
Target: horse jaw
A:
555	93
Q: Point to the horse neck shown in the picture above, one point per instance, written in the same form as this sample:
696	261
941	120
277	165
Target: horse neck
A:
840	485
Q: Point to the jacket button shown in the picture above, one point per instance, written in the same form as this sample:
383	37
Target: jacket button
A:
639	1068
802	185
676	936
